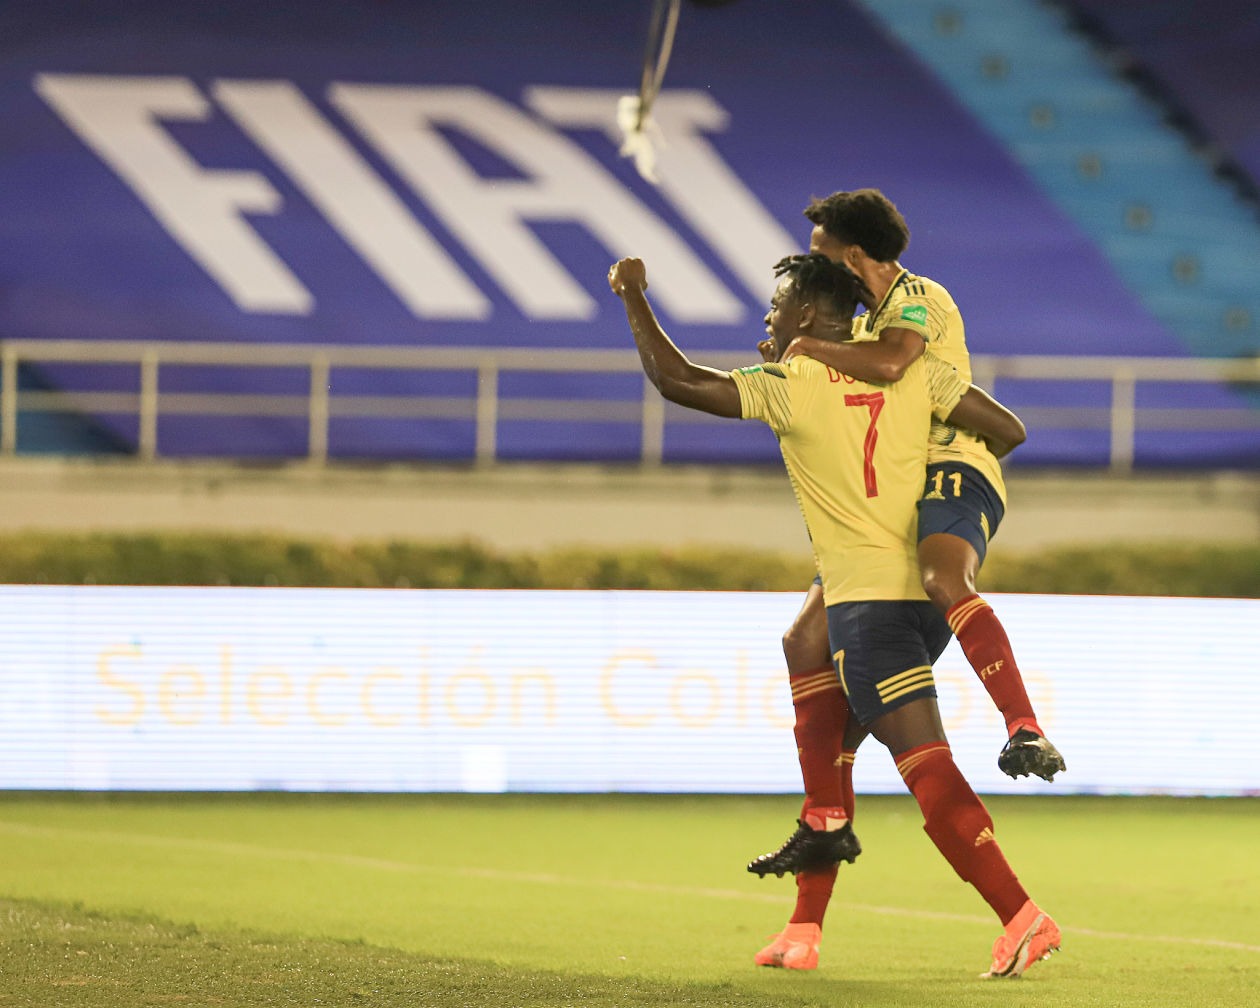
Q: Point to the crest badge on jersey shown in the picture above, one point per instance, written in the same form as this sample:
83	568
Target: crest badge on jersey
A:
770	369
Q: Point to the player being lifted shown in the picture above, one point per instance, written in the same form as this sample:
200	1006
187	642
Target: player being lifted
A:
855	453
961	507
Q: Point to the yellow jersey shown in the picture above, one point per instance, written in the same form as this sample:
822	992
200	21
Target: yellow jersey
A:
855	453
924	306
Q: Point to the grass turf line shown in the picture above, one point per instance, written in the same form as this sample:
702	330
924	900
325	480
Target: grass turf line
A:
594	900
64	957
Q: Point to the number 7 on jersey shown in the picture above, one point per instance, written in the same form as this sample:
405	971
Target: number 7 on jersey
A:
873	401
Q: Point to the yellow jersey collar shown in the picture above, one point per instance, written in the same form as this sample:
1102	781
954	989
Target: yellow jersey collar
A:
901	278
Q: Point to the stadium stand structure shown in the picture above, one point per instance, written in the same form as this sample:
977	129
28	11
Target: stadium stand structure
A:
331	229
1202	70
1130	171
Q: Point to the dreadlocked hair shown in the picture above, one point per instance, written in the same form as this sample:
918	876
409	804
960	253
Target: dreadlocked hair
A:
815	277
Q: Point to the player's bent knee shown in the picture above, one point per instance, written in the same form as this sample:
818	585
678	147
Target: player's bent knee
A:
946	588
805	648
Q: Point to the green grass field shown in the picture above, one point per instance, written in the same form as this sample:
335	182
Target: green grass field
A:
594	901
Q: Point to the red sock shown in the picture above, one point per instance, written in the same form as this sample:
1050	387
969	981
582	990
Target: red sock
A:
984	642
847	798
813	893
960	826
813	889
821	714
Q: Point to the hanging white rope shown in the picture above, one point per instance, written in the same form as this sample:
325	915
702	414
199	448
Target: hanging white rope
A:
640	134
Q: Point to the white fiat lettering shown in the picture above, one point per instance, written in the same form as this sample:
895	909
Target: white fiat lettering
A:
202	209
559	182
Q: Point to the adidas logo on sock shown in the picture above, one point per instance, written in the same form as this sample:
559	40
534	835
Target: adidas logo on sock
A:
986	836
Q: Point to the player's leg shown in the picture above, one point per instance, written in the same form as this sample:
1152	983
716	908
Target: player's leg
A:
960	826
887	663
955	526
796	946
818	703
827	739
824	836
854	735
949	565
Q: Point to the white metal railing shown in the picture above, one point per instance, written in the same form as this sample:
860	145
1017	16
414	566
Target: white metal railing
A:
1121	417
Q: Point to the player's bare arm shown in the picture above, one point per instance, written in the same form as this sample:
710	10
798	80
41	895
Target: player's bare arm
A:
667	367
979	412
880	360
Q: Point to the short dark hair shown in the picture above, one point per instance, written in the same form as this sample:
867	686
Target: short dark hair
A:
866	218
815	277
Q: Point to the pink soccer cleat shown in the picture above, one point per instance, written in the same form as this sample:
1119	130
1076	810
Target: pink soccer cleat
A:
795	947
1030	936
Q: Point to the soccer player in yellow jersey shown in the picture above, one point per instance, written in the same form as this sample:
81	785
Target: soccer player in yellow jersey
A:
962	504
855	453
965	496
